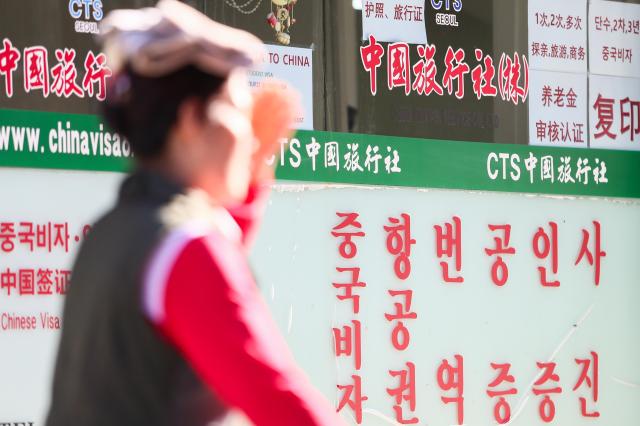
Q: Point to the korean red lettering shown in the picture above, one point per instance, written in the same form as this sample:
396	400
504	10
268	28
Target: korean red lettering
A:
348	248
425	72
449	244
26	234
7	236
399	244
371	56
62	281
45	281
61	235
43	236
456	69
483	79
451	378
36	70
595	256
64	74
629	117
8	281
348	342
588	378
543	245
499	269
348	287
604	109
399	66
353	397
547	408
9	57
96	71
400	336
404	392
26	282
502	409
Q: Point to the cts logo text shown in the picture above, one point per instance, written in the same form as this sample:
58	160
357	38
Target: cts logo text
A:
86	9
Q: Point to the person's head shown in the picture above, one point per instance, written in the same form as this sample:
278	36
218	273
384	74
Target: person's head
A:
180	96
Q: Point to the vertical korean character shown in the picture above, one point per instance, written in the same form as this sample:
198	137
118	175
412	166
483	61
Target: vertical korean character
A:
400	336
499	269
543	246
404	392
26	234
348	342
353	397
399	244
451	378
349	287
7	236
43	236
501	387
547	408
61	236
588	379
449	245
347	229
595	256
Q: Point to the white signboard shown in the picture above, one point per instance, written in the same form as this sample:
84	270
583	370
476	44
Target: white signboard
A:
614	38
394	21
458	340
558	109
43	220
294	66
558	35
614	112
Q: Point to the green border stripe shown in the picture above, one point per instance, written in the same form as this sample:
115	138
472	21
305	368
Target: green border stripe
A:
424	163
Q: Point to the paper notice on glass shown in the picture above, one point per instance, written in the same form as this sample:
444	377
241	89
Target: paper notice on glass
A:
293	66
614	38
558	109
558	35
614	112
393	21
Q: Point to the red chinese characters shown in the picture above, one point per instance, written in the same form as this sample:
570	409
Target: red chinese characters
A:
404	392
449	245
399	67
450	379
96	71
593	256
543	246
399	244
483	78
499	388
604	109
588	379
456	68
371	57
425	72
9	57
65	74
36	70
500	270
547	407
510	72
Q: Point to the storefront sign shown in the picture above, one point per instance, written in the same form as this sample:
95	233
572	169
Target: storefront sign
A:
394	20
558	35
614	119
614	38
293	66
558	109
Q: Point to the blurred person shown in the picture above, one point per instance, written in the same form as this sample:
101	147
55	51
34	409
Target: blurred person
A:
163	323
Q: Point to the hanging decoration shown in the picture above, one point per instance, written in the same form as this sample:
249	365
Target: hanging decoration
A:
281	19
246	8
